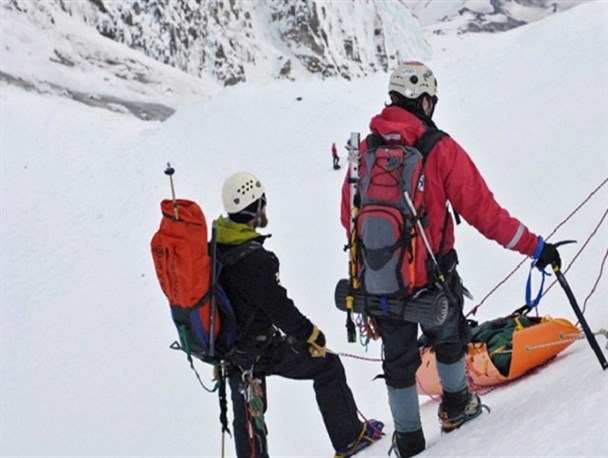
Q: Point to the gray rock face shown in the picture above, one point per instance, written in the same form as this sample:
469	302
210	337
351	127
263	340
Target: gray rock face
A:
146	57
237	41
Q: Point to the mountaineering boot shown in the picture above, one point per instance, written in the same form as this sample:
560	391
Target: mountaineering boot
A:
458	408
371	432
409	444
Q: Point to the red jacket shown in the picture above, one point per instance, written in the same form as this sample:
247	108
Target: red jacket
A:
449	176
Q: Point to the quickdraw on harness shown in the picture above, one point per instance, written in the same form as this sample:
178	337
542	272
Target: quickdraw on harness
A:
253	395
368	330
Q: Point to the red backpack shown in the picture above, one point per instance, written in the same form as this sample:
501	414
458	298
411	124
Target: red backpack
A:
394	274
392	253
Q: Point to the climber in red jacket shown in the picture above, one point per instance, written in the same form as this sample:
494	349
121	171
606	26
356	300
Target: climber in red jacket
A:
335	157
449	176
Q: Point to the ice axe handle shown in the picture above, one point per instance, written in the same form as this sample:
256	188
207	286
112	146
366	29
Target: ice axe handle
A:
581	318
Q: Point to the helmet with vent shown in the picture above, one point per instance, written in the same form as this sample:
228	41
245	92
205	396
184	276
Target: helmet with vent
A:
241	190
412	79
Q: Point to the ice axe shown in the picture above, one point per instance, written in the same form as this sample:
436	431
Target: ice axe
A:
170	171
577	311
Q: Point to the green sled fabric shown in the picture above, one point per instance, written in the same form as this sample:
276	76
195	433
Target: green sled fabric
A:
498	337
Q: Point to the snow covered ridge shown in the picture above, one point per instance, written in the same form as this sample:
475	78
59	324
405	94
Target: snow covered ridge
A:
148	57
466	16
49	52
237	41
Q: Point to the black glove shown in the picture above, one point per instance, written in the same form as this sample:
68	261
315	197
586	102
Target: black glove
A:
549	256
316	343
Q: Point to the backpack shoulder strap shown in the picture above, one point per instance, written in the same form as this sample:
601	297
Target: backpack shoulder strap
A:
237	254
374	141
425	145
429	139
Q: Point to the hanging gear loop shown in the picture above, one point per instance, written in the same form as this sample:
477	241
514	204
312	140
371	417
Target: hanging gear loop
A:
253	394
533	303
185	347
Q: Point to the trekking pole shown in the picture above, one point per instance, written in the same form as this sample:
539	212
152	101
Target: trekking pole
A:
353	161
170	171
213	290
581	318
440	276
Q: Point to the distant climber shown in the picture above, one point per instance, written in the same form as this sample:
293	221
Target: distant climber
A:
336	158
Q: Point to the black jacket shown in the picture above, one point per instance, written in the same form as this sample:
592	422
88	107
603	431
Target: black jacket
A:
260	303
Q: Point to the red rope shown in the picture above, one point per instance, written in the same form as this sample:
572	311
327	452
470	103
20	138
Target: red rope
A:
596	281
363	358
581	249
579	207
474	309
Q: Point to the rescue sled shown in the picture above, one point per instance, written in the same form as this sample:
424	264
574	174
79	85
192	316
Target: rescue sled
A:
530	346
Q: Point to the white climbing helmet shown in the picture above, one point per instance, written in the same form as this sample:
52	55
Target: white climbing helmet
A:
412	79
241	190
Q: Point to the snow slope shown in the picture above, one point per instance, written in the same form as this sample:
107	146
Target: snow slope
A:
85	365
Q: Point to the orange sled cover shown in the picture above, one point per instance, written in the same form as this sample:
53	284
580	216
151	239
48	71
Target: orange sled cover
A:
532	346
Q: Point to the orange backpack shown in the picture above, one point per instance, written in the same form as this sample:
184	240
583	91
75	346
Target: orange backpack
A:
183	267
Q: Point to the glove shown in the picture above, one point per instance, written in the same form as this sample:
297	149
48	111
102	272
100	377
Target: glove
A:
548	256
316	343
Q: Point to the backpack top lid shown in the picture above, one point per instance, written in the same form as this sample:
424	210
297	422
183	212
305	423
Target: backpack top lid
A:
188	211
180	253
